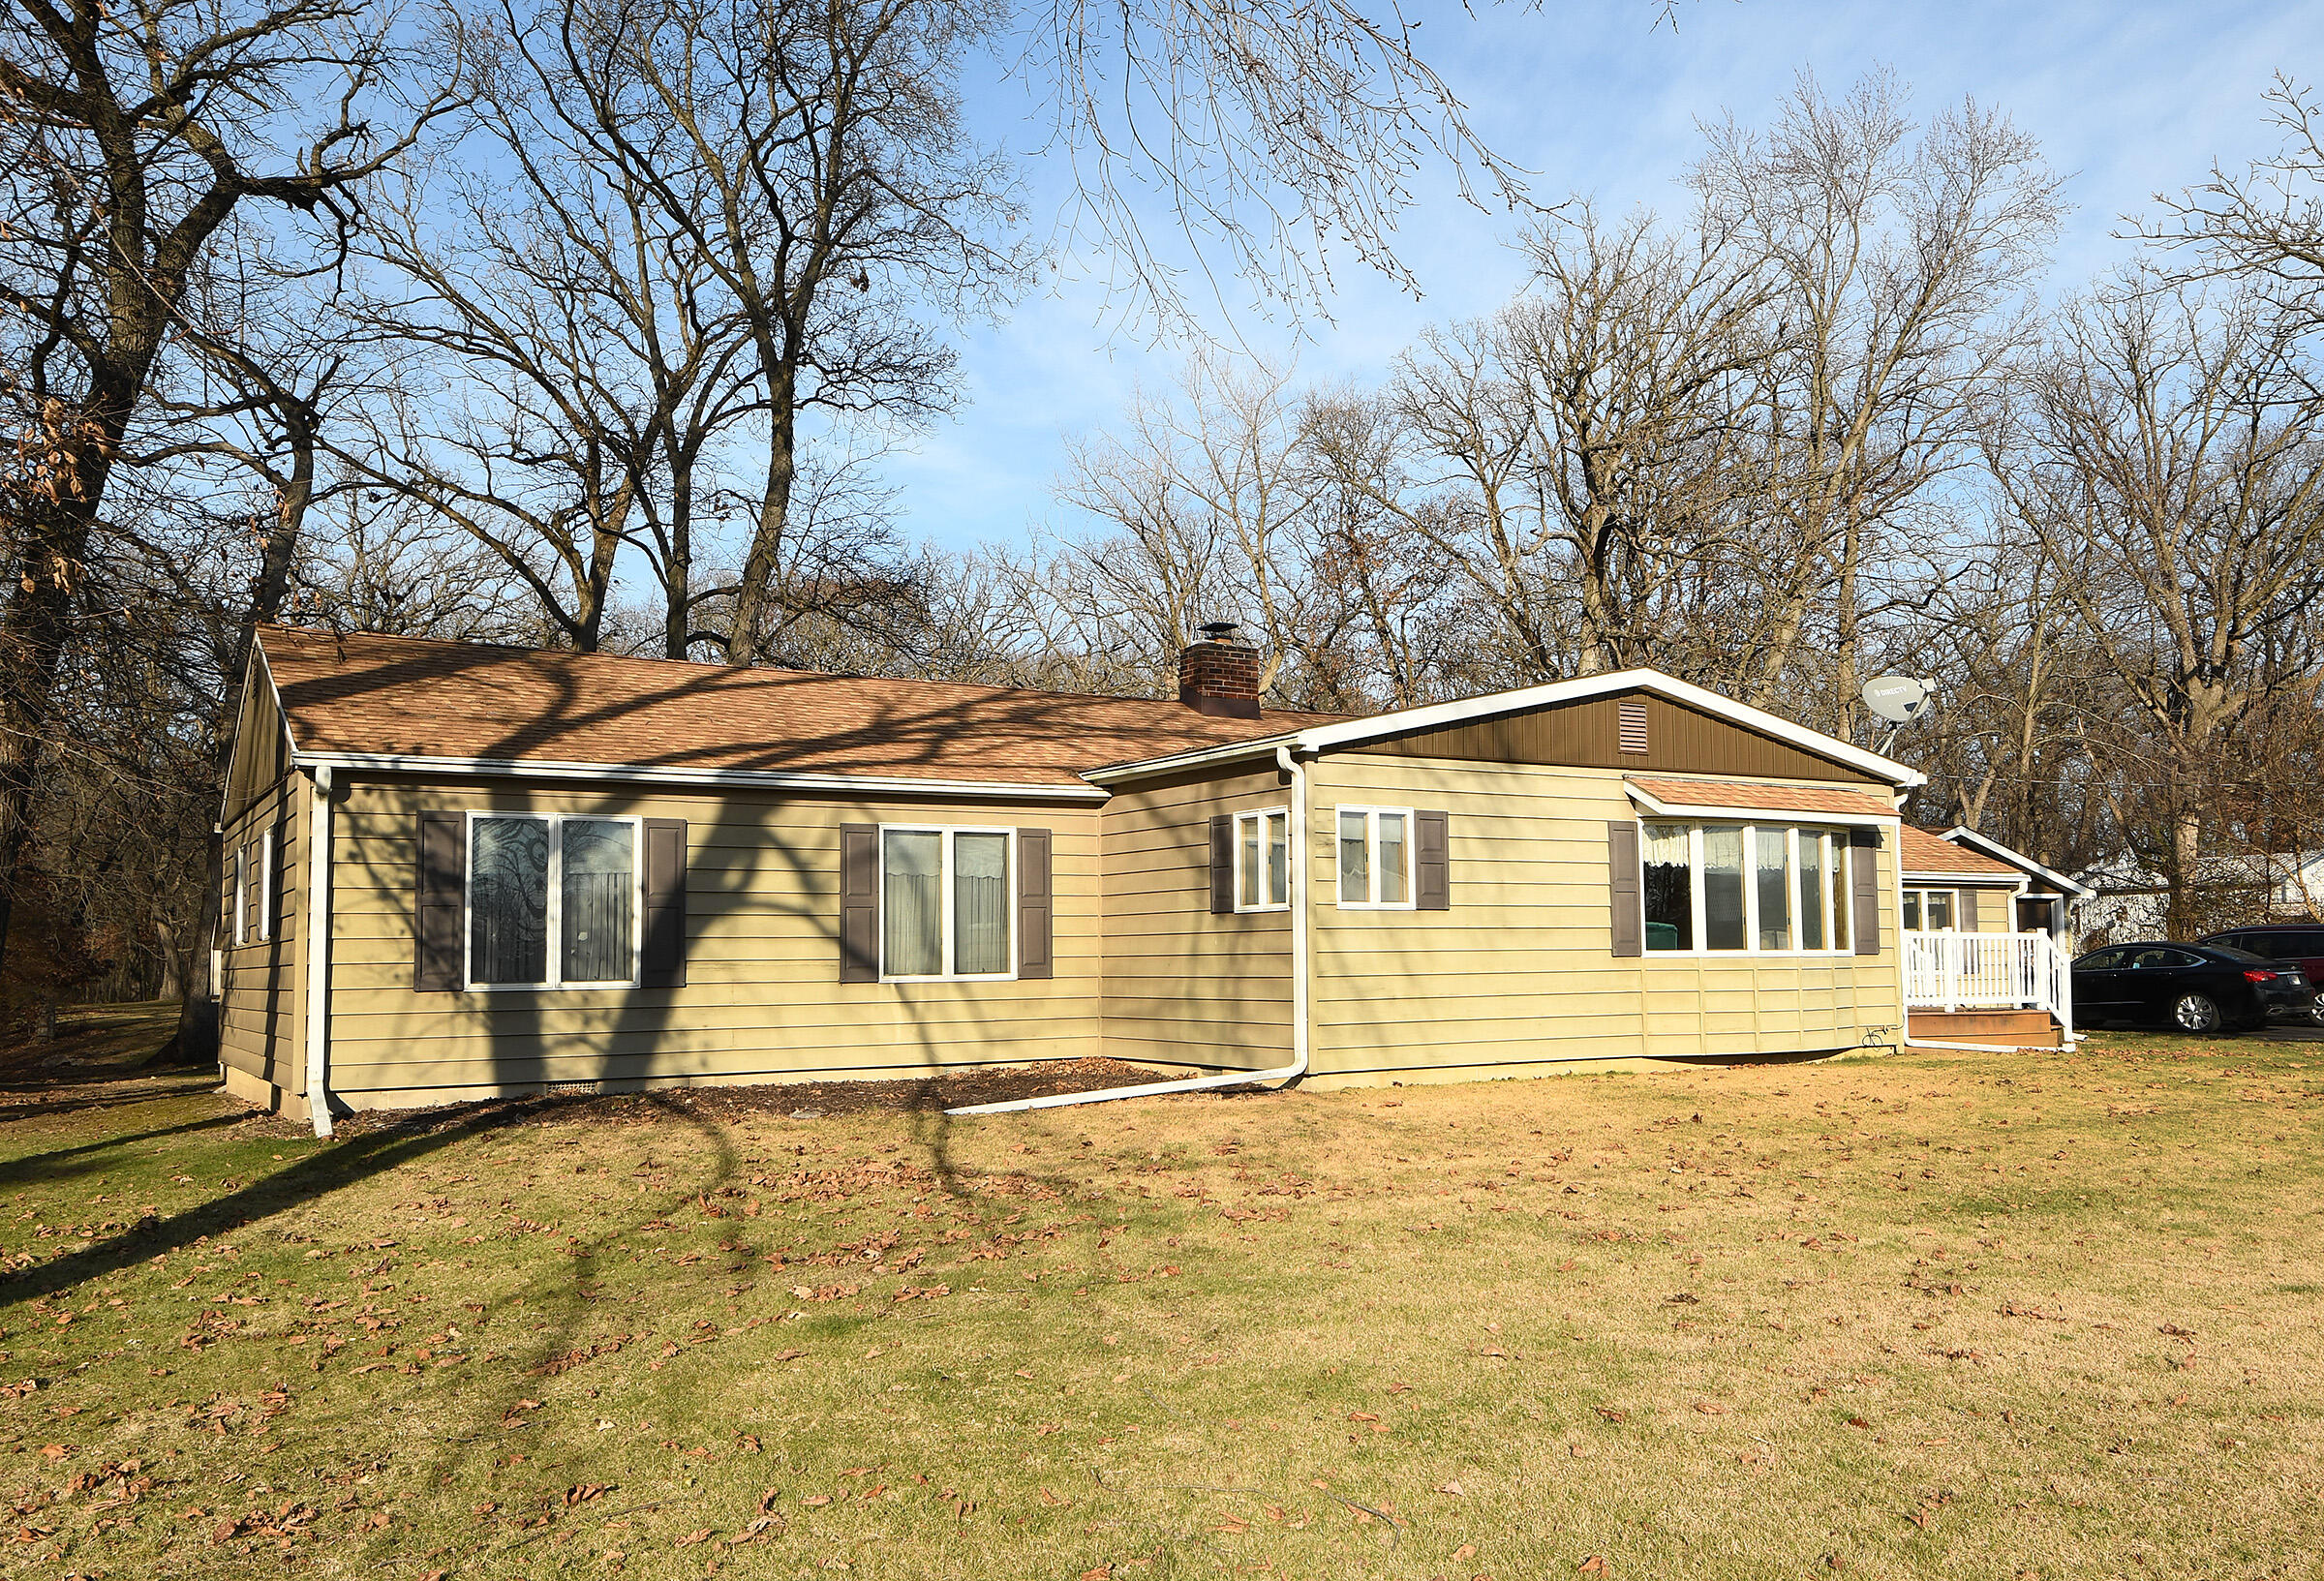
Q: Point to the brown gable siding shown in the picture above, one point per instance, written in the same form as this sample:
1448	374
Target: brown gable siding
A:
1588	735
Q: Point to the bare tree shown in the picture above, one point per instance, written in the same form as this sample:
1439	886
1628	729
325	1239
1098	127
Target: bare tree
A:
2262	224
2170	457
132	137
1902	255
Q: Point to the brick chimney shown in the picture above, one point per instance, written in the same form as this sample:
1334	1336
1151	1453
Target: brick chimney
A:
1218	675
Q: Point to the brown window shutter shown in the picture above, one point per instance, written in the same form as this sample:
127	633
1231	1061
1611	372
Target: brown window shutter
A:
439	886
1432	862
1222	865
662	961
1033	917
1968	923
859	902
1864	879
1622	872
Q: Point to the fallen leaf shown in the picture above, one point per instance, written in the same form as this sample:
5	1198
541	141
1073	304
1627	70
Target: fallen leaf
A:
817	1500
1465	1552
1592	1566
693	1538
1710	1407
1612	1415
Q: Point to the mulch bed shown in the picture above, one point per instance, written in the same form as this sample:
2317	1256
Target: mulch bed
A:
795	1100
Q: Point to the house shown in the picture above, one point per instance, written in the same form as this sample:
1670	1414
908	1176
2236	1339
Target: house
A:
1987	952
550	871
2126	900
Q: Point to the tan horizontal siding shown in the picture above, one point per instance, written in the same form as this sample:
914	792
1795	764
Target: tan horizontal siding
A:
1520	973
1183	986
261	1032
762	999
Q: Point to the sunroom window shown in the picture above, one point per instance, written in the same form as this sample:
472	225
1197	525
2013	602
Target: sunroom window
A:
944	897
1764	889
1929	911
552	901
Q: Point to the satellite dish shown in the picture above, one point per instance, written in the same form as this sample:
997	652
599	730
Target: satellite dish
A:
1899	698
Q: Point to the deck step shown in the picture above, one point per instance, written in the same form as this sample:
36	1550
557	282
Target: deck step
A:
2031	1028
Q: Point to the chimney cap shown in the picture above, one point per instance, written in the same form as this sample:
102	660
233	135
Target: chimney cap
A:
1219	631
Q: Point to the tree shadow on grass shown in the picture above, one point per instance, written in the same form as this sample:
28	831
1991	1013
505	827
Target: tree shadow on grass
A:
49	1166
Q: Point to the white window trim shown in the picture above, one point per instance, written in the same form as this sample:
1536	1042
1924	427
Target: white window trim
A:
555	954
1260	816
1833	898
1372	848
242	894
1952	910
946	887
265	885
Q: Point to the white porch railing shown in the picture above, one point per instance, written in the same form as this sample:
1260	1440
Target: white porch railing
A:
1988	971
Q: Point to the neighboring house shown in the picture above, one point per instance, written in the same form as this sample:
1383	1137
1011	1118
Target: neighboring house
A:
2124	901
549	870
1986	954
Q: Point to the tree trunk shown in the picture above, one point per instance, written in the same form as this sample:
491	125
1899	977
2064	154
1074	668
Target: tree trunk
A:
753	598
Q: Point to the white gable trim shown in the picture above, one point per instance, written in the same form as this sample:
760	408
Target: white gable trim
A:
1439	716
1986	845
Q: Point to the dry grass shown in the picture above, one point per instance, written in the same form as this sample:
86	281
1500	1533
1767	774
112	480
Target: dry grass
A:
2048	1315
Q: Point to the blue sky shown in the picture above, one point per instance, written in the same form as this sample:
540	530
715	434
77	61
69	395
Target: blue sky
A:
1598	99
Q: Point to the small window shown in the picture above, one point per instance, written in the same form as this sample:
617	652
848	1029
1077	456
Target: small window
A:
262	893
1262	859
1375	857
1929	911
946	903
1669	886
552	901
239	865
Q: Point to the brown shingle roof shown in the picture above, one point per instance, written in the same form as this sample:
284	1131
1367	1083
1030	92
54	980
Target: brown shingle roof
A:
1722	793
1926	853
411	697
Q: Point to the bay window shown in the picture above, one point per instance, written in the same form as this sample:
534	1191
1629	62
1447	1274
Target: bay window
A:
1262	859
945	903
552	901
1759	889
1375	857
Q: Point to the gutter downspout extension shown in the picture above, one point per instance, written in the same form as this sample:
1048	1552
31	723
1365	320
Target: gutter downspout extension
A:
319	951
1301	861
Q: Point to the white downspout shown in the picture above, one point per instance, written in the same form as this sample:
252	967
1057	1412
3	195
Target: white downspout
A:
1301	861
319	951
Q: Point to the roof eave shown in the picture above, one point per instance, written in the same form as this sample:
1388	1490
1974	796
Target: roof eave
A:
1661	808
635	773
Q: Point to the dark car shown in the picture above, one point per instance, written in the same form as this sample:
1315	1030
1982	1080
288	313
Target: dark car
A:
2285	944
2195	988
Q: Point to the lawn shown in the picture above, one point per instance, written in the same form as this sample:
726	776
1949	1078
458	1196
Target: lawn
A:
2046	1315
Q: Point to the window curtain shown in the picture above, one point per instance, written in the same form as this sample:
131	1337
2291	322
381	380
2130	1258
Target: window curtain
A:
980	902
912	900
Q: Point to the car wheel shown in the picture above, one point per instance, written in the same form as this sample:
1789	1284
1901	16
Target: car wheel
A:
2195	1013
2315	1011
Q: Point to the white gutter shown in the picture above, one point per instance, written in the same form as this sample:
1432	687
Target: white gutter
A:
319	951
1300	862
654	774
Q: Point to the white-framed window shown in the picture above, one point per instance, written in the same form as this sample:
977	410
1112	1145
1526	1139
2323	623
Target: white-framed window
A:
1743	889
947	903
1375	857
1262	859
263	893
553	901
1931	911
241	866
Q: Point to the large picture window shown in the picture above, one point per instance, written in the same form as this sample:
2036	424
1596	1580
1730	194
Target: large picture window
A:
1759	889
1375	857
946	903
552	901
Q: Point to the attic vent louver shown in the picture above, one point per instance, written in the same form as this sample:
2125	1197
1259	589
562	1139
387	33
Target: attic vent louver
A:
1633	727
